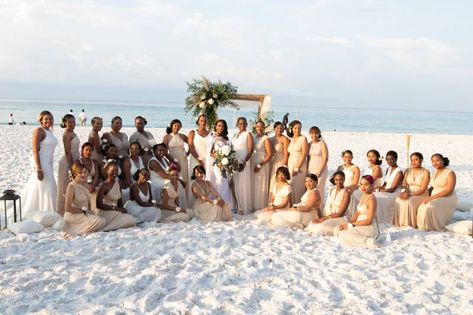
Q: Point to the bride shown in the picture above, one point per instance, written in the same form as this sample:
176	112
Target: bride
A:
40	192
214	176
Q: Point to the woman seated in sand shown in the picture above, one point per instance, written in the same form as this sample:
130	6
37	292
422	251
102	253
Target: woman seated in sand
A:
362	228
78	216
279	197
437	210
413	192
336	206
352	178
134	163
93	178
387	193
109	201
209	205
174	200
141	204
300	214
159	166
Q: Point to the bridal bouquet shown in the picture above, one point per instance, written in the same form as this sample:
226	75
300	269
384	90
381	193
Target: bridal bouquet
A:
226	161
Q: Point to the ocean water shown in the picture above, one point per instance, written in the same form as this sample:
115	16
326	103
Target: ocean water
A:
327	118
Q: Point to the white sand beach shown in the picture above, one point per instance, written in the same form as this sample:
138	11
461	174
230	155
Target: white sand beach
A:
239	267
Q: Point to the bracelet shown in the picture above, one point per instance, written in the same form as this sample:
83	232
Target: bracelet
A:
350	225
259	165
215	202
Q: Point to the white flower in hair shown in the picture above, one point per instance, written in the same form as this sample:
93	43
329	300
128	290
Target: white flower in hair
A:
104	140
226	150
210	101
225	161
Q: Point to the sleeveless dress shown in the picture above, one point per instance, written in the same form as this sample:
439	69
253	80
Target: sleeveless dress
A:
178	152
115	219
63	173
405	211
377	182
359	235
277	160
206	211
121	142
436	214
242	180
279	196
146	140
85	222
173	216
135	167
214	176
201	145
96	155
260	187
40	195
158	182
299	219
333	204
349	180
295	155
386	200
315	162
143	214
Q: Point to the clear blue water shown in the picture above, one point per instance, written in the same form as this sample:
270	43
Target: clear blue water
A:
328	119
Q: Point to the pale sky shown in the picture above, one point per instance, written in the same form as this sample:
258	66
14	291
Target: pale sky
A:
365	53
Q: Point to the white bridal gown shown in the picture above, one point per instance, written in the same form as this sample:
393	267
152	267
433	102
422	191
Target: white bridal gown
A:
214	176
40	195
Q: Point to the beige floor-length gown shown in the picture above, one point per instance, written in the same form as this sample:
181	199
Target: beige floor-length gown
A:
201	145
332	205
436	214
279	195
277	160
209	212
295	155
405	210
143	214
291	218
173	216
243	180
86	222
386	200
349	181
358	235
63	174
260	185
315	162
178	151
115	219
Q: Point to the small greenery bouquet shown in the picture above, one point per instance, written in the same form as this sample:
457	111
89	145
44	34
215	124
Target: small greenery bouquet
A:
207	97
226	161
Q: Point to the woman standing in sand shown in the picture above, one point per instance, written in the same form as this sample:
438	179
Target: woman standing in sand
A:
318	158
71	154
297	162
176	143
260	161
144	138
94	138
39	194
119	139
413	192
198	142
78	216
243	145
437	210
280	144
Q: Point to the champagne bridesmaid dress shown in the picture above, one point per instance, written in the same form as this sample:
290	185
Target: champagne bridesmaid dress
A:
277	161
178	152
315	163
295	156
63	174
298	219
386	200
260	187
209	212
180	194
279	196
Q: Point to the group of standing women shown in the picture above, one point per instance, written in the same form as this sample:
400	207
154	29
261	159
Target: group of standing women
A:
115	181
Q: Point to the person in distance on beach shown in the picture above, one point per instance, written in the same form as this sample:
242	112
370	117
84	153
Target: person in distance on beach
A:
83	118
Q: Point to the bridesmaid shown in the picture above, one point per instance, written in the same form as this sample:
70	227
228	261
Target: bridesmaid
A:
335	212
260	162
158	166
94	138
71	154
387	193
352	177
91	165
198	142
141	204
243	145
318	158
176	142
134	162
297	162
119	139
437	210
374	168
209	205
174	199
302	213
109	201
279	197
413	192
111	153
362	228
144	138
40	192
280	144
78	216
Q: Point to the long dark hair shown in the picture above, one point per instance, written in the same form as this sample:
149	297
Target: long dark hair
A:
173	122
65	118
225	129
290	133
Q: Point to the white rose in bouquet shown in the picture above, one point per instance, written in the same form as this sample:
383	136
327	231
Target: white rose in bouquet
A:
226	150
210	101
201	105
214	95
225	161
202	97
